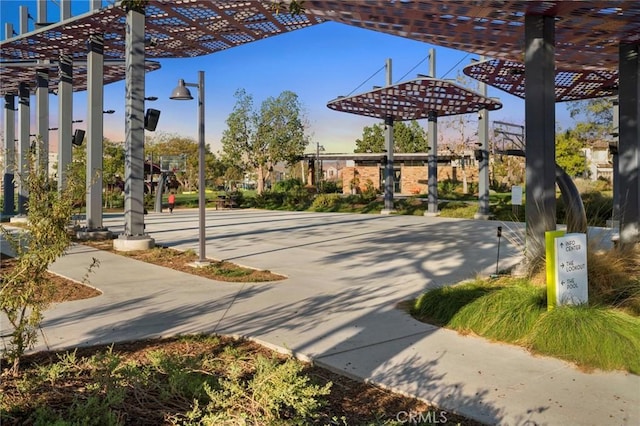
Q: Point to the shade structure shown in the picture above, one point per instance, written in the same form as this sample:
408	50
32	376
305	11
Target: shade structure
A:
24	71
173	29
587	33
414	100
570	85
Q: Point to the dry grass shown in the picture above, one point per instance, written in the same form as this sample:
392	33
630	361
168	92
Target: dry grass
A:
614	277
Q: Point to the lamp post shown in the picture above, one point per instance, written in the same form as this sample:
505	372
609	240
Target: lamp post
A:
182	93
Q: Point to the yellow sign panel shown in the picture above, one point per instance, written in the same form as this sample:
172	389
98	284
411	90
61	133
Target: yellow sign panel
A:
549	239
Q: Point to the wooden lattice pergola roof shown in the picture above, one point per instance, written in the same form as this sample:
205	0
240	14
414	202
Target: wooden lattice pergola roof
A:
569	85
173	29
415	100
587	33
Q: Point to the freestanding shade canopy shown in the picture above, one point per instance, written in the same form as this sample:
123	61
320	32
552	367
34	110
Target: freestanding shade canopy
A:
570	85
414	100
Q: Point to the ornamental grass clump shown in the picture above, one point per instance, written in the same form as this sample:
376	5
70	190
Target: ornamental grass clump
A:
594	337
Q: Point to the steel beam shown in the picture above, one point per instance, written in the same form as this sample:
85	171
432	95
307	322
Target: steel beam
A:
540	133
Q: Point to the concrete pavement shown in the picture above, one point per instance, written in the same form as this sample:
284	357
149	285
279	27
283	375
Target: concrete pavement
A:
346	274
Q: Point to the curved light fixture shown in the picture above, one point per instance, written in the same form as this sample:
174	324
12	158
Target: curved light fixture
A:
181	92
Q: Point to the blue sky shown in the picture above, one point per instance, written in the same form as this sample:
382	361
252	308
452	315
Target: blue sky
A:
317	63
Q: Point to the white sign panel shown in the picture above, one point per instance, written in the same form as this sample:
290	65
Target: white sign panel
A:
572	284
516	195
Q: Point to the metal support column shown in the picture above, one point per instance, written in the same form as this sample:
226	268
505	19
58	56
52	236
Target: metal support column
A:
65	9
42	122
432	143
615	213
65	120
483	167
388	142
134	125
8	186
432	164
629	143
42	100
389	179
95	104
24	19
24	145
540	134
134	237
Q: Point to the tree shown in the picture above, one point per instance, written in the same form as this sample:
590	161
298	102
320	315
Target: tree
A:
112	171
255	141
594	119
25	290
174	145
569	153
409	138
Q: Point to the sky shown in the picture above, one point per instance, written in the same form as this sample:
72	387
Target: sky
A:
318	63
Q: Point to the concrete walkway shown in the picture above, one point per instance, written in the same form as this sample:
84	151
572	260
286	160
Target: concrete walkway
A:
346	274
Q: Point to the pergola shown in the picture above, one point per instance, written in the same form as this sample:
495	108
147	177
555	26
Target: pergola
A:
424	97
590	35
570	84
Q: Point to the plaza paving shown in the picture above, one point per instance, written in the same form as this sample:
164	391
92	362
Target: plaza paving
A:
338	307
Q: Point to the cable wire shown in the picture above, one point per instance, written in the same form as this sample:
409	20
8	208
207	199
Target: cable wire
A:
416	66
361	84
457	63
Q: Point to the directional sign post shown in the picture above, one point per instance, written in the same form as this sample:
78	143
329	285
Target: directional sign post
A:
567	269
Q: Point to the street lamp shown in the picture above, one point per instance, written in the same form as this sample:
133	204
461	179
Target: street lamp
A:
182	93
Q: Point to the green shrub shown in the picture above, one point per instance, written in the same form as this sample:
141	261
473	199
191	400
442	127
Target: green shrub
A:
275	394
326	202
332	187
269	200
236	196
369	193
287	185
297	198
448	186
